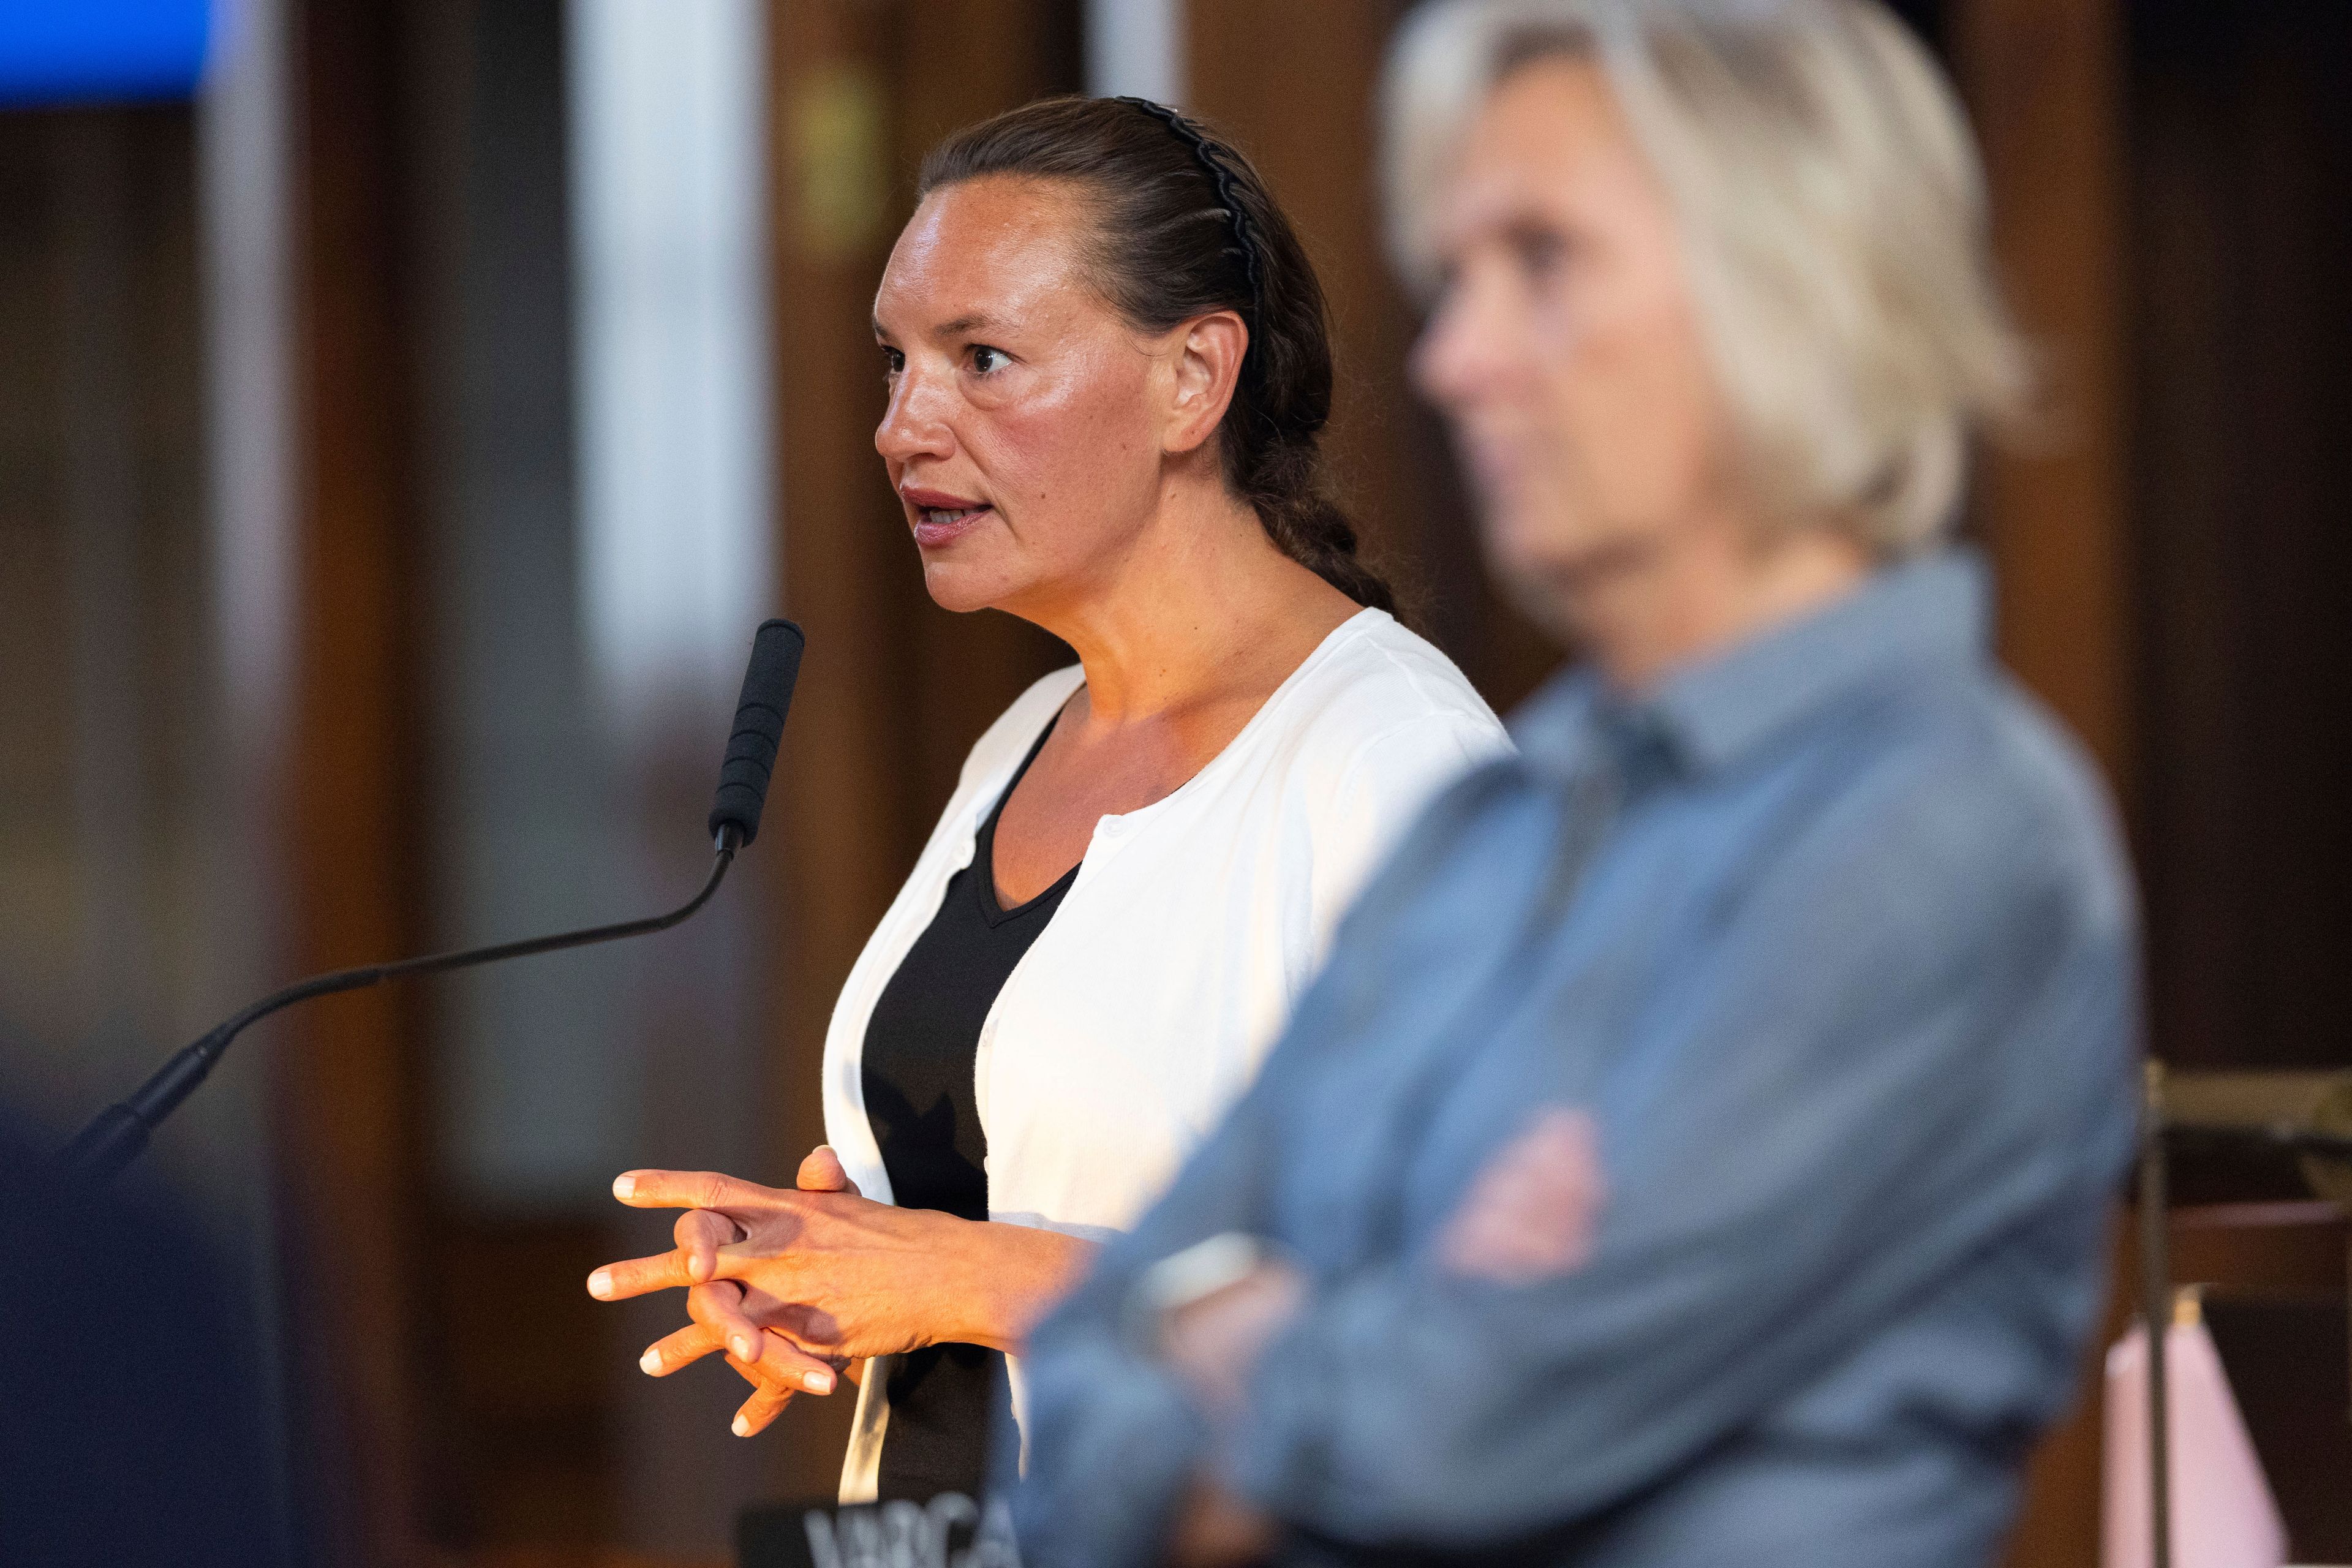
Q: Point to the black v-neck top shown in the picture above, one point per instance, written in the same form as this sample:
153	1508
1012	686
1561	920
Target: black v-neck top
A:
922	1045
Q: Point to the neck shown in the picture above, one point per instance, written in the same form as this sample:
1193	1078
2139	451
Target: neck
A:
1197	605
1692	594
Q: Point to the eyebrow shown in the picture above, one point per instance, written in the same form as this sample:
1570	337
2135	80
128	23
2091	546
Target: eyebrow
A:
962	326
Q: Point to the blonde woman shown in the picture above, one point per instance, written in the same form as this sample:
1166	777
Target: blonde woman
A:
1698	1148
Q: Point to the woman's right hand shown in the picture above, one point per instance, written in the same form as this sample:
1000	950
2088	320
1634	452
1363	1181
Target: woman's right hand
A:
782	1368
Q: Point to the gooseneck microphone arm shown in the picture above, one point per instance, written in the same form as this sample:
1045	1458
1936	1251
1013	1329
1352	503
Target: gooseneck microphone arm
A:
119	1132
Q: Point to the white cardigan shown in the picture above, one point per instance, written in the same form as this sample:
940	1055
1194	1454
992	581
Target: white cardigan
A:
1146	1004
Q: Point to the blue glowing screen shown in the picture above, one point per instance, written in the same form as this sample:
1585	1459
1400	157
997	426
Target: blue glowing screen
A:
98	51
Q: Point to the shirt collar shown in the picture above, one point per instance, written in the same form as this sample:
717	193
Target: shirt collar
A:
1931	610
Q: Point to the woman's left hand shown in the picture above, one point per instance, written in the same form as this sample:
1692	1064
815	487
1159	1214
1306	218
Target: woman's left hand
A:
843	1277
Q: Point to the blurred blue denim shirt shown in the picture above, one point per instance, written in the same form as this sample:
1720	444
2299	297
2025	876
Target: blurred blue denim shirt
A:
1832	938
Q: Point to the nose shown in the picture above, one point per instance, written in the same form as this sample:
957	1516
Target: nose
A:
1464	352
914	424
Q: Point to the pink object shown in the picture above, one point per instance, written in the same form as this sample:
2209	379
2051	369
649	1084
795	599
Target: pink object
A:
2223	1512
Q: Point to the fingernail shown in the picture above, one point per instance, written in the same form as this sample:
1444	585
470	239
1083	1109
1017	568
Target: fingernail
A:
744	1348
651	1363
742	1425
624	1186
696	1266
818	1382
600	1284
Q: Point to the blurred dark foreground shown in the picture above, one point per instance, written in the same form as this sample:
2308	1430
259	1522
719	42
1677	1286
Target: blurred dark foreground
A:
131	1422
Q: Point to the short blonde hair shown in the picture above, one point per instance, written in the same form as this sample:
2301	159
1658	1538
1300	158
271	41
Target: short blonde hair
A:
1832	213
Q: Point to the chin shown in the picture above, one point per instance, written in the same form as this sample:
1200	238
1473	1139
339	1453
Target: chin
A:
963	587
956	589
1540	563
1544	598
1530	543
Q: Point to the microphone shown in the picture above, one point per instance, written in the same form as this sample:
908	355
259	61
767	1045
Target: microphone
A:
119	1132
768	683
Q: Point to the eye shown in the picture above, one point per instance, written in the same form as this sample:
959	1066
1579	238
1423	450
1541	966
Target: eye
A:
1443	277
1541	252
986	359
893	362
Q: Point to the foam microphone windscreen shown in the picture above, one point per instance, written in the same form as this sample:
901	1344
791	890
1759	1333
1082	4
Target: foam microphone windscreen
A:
758	726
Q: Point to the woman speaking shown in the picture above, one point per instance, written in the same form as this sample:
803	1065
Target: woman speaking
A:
1108	368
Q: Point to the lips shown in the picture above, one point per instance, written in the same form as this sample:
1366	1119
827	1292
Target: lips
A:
939	519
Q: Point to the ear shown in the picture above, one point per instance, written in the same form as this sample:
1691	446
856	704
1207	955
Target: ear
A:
1207	360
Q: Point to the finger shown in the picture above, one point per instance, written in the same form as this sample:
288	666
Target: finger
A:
1562	1139
822	1171
720	1307
780	1361
699	1234
684	1348
759	1267
765	1405
639	1275
1518	1192
1566	1124
688	1190
773	1390
737	1260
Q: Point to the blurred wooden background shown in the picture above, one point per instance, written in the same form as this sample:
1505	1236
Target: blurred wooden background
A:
2173	184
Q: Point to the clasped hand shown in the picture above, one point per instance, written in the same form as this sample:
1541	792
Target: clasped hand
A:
794	1285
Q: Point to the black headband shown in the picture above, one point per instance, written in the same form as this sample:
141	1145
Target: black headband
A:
1213	166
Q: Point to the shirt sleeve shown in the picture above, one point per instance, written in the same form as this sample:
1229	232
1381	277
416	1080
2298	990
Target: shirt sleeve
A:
1112	1440
1909	1048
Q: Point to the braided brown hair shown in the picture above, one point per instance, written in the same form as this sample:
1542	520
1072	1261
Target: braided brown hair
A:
1184	227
